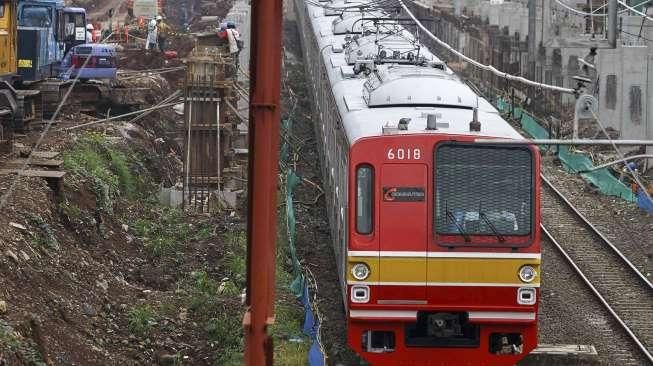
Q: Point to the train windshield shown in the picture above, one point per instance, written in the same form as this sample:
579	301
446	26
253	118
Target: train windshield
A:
483	190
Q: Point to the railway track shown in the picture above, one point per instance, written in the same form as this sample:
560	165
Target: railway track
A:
620	287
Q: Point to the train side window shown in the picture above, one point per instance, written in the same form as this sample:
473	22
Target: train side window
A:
2	10
364	199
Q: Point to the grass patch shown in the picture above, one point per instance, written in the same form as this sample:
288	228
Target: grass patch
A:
236	257
291	346
292	353
12	342
204	291
141	319
222	330
209	301
164	231
288	320
109	168
204	231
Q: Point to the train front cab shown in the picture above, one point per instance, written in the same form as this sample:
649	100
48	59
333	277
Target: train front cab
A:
443	259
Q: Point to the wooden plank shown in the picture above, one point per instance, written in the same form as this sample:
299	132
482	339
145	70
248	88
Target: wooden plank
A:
50	163
34	173
45	154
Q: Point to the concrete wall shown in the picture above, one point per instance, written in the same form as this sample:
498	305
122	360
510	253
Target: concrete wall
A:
629	65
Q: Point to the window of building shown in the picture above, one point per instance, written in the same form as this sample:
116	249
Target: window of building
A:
636	104
572	65
611	92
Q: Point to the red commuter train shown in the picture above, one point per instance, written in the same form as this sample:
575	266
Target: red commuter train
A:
436	235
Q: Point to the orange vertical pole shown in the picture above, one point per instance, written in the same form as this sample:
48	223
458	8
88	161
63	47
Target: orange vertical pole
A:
264	125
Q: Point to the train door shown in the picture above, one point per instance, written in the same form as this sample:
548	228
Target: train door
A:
403	233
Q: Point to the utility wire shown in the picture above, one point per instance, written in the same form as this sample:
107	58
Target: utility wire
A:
637	35
582	13
594	13
377	4
490	68
622	156
634	10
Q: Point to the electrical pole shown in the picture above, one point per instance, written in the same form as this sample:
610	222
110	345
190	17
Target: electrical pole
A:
264	117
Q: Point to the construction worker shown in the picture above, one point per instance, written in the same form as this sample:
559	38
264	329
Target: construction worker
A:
89	33
233	37
152	36
130	9
163	30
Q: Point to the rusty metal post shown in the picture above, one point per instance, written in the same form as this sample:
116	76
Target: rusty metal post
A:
265	115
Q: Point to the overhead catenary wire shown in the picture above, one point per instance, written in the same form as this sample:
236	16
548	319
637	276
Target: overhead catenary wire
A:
594	12
581	13
479	65
379	4
634	10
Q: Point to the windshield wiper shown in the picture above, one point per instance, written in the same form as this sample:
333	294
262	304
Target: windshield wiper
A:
492	227
451	217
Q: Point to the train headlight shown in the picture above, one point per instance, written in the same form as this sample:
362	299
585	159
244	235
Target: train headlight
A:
360	271
527	273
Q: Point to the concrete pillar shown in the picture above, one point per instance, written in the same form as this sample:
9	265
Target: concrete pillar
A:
532	36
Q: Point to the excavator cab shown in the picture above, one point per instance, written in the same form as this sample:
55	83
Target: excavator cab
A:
46	31
72	27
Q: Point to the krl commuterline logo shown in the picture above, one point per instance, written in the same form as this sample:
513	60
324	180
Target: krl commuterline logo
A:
403	194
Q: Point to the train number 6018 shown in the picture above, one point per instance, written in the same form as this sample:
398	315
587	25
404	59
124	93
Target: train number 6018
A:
404	154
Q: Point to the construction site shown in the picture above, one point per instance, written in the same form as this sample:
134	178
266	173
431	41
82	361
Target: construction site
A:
122	230
182	183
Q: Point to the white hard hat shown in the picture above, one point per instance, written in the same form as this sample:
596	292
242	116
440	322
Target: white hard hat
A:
158	17
90	27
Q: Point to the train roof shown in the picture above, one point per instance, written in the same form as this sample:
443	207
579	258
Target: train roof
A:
373	89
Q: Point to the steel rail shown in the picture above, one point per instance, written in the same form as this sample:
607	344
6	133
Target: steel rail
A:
596	292
597	232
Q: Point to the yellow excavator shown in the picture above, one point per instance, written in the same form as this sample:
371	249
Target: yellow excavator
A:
17	107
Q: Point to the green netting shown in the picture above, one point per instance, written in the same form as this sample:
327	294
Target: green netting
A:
298	286
607	183
298	283
285	147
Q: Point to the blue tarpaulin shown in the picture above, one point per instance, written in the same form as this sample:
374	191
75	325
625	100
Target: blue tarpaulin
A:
644	202
299	286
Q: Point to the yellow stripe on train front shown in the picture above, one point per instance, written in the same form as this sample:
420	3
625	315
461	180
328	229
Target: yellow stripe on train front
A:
456	271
